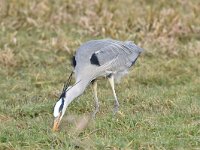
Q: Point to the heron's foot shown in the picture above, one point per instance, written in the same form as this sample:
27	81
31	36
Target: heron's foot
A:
116	108
94	114
95	111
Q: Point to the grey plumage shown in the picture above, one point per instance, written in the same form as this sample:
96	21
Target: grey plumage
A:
97	58
124	53
109	58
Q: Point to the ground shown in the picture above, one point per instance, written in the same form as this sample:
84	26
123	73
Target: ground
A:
159	99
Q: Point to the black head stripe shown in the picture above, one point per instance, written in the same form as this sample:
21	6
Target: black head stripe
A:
62	104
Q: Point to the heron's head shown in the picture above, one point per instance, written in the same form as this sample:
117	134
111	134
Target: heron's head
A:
57	113
59	110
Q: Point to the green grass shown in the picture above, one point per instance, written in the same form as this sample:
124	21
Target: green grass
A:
159	99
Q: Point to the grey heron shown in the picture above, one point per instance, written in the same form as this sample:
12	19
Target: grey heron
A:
97	58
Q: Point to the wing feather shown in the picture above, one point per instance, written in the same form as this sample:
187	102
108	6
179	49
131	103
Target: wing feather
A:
126	53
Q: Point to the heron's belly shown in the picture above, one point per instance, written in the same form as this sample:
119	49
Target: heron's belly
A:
91	72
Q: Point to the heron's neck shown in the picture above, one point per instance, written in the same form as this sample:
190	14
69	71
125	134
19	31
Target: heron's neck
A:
74	92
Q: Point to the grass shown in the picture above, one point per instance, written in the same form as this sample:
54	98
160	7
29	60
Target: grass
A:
159	99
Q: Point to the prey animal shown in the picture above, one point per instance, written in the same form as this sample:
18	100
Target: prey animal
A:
96	58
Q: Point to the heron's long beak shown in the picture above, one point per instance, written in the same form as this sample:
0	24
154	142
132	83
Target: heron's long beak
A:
56	123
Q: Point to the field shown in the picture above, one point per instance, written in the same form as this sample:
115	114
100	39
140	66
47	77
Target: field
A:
159	99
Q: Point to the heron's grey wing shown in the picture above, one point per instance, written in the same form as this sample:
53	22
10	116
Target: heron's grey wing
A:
125	52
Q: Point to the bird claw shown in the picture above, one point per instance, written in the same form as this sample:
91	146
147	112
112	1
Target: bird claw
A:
94	115
115	109
95	112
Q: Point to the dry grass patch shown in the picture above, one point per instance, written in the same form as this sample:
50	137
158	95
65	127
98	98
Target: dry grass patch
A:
7	57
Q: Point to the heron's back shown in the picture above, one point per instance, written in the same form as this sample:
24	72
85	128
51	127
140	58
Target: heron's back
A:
123	54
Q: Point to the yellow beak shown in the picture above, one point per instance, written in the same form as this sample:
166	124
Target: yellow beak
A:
56	123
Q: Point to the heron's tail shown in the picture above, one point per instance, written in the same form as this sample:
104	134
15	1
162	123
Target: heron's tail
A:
133	46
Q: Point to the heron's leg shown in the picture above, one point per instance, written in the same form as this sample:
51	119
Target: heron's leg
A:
94	88
116	105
